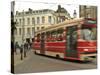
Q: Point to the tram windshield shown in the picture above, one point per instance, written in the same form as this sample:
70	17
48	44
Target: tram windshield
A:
89	34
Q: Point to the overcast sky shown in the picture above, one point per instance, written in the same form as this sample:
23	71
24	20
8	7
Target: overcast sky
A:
36	5
69	5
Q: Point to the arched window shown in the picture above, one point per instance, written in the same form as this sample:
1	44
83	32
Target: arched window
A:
33	21
38	20
43	19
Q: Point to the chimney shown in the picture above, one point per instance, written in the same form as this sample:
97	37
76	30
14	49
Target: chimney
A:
59	7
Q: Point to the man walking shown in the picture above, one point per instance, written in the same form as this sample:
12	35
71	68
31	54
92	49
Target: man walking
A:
16	47
25	48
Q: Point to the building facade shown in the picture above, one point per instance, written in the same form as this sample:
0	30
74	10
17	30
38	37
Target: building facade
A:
28	22
61	14
88	11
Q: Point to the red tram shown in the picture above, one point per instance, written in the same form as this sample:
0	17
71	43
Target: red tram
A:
72	39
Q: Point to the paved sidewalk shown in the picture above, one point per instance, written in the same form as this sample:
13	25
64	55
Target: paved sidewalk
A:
17	57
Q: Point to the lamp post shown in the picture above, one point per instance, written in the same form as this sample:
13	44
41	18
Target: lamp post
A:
12	36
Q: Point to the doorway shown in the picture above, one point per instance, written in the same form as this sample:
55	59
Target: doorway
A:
71	42
42	50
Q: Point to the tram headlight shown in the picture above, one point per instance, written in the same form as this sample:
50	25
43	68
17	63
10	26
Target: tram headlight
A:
85	49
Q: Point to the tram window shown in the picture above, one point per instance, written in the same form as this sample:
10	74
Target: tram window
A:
53	35
88	34
60	35
74	40
48	36
74	35
94	33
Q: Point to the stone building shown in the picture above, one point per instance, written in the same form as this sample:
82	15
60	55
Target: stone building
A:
61	14
28	22
88	11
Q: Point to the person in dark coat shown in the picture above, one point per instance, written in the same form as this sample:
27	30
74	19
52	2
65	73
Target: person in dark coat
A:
26	46
21	51
16	47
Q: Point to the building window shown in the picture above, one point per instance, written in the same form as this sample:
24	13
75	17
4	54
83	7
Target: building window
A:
33	30
36	11
54	20
16	20
28	31
49	19
33	20
43	19
19	31
37	28
23	21
38	20
16	31
42	27
28	20
20	21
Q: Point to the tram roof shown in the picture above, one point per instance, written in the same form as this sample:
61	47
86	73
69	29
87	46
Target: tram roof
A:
66	23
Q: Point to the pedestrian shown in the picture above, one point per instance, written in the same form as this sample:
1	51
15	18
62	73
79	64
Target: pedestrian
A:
16	47
30	45
25	49
26	46
21	51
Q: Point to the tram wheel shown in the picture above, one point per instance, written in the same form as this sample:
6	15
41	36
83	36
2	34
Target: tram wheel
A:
57	56
35	52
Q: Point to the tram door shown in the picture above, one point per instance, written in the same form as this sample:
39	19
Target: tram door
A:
71	42
42	51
